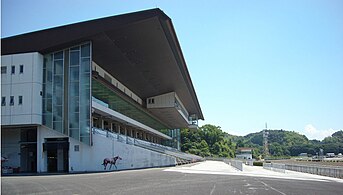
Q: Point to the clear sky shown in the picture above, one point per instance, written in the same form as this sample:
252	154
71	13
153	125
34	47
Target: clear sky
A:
251	62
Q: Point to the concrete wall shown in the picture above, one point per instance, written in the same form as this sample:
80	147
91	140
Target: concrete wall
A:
162	101
27	84
10	147
90	158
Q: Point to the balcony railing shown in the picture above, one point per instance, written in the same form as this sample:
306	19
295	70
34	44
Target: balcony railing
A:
147	145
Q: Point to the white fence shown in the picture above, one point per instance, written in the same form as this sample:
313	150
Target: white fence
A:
148	145
235	163
275	167
329	171
317	170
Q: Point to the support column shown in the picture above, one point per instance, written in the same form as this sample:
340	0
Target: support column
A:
102	123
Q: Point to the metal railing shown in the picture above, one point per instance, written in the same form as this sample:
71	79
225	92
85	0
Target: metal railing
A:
329	171
336	172
235	163
275	167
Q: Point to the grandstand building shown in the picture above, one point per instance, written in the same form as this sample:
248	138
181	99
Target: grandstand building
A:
76	94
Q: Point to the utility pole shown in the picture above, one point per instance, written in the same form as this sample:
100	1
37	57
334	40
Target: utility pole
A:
265	142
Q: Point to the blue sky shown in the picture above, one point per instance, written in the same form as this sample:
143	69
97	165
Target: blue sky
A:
251	62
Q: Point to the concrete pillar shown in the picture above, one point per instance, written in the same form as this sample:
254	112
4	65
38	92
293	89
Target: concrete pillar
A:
102	123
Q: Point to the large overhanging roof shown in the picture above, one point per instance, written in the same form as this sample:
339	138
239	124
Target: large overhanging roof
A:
140	49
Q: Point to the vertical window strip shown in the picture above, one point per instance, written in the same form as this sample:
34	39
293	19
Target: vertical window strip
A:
20	100
21	69
3	101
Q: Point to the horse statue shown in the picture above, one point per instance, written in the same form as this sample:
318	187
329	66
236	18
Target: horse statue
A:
111	161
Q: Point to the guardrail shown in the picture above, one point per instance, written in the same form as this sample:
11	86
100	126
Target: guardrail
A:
329	171
235	163
275	167
336	172
148	145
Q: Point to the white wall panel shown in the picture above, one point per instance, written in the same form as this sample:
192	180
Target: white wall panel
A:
6	61
90	158
27	84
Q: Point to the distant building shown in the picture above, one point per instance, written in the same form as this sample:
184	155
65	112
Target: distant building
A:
244	153
330	154
304	154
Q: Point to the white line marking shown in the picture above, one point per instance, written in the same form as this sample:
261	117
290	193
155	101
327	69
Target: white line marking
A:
214	186
272	188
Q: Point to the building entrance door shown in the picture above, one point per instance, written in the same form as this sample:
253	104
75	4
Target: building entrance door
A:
52	160
57	150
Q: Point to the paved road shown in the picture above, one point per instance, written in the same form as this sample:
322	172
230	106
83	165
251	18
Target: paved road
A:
209	177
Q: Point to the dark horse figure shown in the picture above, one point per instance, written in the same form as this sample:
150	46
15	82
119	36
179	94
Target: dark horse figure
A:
111	161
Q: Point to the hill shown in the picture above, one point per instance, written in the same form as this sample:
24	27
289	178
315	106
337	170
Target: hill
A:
210	140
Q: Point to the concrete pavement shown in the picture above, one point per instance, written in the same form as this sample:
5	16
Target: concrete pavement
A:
221	168
208	177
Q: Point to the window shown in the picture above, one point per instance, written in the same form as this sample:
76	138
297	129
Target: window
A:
13	70
21	69
76	148
3	69
20	100
3	101
11	100
151	101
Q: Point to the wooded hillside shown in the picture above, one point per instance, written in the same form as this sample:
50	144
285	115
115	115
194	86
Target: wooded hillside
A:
210	140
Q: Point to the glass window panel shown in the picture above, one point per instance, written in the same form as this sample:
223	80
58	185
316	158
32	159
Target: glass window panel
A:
74	73
21	69
20	100
74	89
76	48
85	97
85	128
47	120
58	100
85	112
74	120
57	125
12	69
58	67
85	65
48	94
74	104
49	105
49	76
85	140
85	50
58	113
58	55
3	101
85	80
74	133
74	58
58	80
44	105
